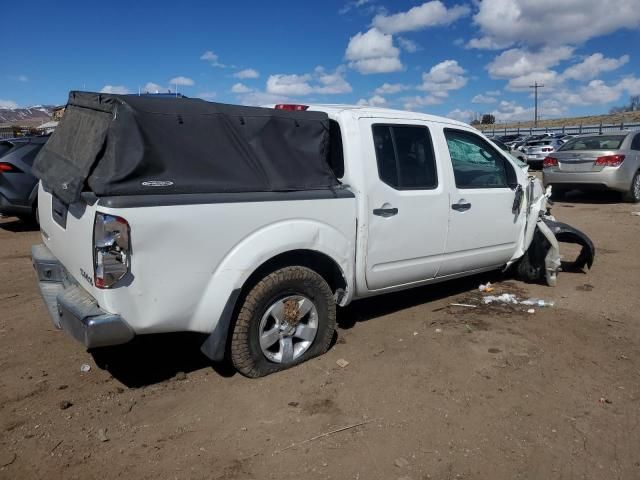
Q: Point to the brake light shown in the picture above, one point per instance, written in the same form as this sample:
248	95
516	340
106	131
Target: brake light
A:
291	107
7	167
549	162
111	249
610	160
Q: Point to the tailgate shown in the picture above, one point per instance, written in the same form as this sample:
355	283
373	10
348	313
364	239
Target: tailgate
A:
68	233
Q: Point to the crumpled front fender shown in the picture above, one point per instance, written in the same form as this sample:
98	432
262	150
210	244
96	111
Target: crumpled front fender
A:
567	234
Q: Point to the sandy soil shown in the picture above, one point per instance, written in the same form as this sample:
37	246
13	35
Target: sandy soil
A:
446	392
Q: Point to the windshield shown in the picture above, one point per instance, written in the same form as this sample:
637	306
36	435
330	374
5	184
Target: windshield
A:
601	142
537	144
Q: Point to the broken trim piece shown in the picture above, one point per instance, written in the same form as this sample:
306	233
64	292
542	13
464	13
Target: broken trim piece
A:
567	234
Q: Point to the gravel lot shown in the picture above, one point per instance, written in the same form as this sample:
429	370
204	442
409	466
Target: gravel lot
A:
442	392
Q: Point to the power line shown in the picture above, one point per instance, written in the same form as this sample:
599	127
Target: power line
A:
535	87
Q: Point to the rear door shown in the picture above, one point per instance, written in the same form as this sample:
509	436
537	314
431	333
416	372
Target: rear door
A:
408	206
483	229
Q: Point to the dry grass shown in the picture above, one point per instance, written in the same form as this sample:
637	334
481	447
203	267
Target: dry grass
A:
626	117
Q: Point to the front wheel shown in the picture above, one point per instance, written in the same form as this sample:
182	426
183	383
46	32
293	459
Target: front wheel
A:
633	195
286	319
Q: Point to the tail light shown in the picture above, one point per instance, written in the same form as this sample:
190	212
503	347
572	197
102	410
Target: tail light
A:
610	160
111	249
291	107
8	168
549	162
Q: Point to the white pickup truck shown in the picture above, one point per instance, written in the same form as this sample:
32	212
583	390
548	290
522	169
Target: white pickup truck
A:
251	224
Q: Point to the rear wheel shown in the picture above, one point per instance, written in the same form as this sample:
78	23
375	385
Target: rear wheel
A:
633	195
286	319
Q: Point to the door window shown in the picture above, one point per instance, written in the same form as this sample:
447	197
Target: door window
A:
405	157
476	164
635	145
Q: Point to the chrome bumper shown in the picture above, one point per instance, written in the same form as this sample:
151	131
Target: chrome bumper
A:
71	308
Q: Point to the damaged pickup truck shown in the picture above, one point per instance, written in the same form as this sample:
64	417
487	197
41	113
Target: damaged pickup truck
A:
250	225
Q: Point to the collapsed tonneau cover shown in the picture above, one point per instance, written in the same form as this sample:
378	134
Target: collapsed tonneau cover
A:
134	145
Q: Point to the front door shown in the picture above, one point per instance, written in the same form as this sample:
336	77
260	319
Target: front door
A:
408	206
483	228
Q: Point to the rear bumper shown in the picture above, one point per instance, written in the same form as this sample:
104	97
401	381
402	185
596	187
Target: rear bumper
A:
609	178
72	309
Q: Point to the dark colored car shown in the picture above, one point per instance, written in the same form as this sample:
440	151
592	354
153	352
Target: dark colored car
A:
18	187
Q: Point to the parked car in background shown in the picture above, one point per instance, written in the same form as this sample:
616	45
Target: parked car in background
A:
603	161
537	150
18	187
518	155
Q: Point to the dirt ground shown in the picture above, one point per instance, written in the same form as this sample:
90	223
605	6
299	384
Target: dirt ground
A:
440	392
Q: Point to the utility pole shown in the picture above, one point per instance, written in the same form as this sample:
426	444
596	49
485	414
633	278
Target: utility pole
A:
535	87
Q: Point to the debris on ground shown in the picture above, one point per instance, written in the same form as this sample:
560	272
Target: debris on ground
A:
537	302
604	400
504	298
438	330
102	435
637	214
85	367
65	404
341	362
487	288
468	305
531	310
180	376
293	404
401	462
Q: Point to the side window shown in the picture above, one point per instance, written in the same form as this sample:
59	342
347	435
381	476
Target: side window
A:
405	157
476	164
336	155
635	145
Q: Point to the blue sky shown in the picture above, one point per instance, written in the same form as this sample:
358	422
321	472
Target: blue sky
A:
458	59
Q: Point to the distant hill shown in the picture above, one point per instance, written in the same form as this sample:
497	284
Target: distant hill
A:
29	115
624	117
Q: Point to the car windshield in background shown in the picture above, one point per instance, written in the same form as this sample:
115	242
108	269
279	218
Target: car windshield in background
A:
601	142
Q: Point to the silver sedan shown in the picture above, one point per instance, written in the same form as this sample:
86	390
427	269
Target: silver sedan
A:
605	161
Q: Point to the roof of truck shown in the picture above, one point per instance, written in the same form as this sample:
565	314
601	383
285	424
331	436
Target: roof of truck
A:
368	111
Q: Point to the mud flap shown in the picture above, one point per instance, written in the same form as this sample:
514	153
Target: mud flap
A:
567	234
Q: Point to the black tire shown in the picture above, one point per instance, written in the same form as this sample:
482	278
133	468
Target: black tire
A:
633	195
246	353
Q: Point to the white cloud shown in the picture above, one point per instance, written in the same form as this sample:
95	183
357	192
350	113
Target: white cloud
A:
373	52
352	5
375	101
551	22
408	45
240	88
8	104
332	83
442	78
593	65
390	88
320	82
416	103
494	93
296	85
429	14
207	95
511	110
247	73
258	98
461	115
116	89
487	43
483	99
523	67
182	81
22	78
151	87
212	58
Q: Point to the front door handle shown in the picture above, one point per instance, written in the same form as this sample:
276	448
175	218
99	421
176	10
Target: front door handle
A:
461	206
385	212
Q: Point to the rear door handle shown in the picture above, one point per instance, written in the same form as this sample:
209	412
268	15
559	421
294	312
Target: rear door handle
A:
461	207
385	212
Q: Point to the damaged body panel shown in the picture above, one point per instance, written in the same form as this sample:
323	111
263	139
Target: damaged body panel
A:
539	254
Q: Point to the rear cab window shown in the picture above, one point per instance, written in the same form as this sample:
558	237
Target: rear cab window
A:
477	164
405	156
